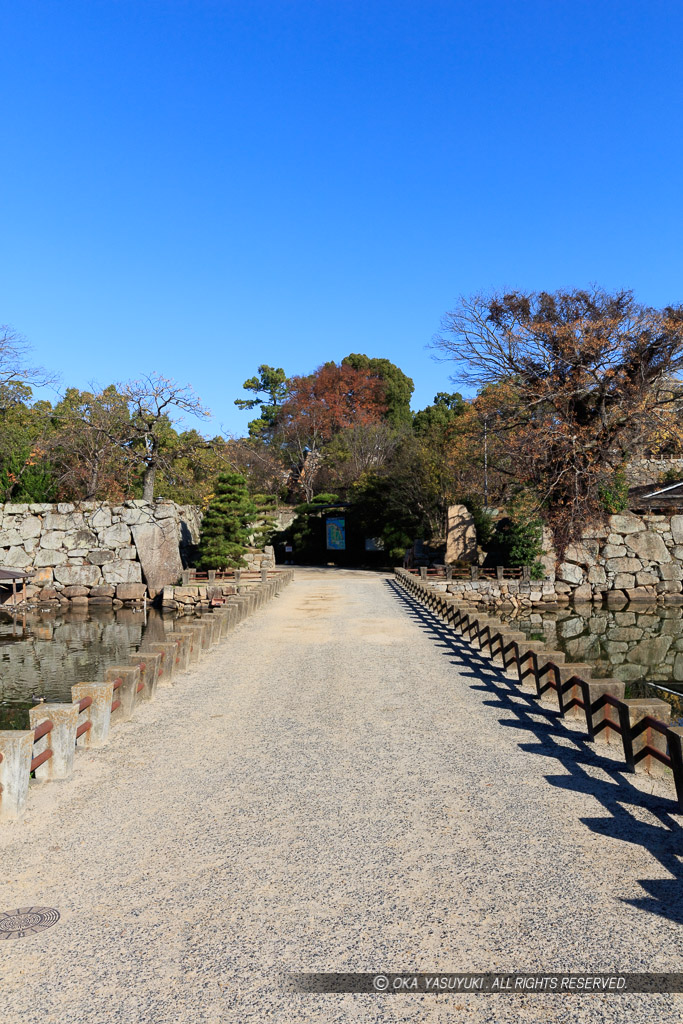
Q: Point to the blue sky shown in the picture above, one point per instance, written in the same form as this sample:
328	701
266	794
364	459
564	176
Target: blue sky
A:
196	187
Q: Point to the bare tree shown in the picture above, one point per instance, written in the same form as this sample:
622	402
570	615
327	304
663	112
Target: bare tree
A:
154	445
15	366
579	381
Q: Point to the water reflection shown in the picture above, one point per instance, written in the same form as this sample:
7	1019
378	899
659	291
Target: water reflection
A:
641	645
43	653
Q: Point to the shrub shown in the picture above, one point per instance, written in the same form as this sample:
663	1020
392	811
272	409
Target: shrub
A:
614	494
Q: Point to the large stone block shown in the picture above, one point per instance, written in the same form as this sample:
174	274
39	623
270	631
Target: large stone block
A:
15	558
135	516
461	537
100	519
10	538
624	581
673	571
648	546
43	577
614	551
81	539
30	527
642	594
623	565
598	531
625	633
650	652
573	626
121	571
78	575
677	529
597	575
102	590
625	524
583	648
165	510
669	587
128	551
584	552
115	536
612	647
100	556
570	573
53	539
49	556
16	510
130	591
59	521
159	554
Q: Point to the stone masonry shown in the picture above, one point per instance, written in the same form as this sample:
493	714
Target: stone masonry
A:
630	558
96	552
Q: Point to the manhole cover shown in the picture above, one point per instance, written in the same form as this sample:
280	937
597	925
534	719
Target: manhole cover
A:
15	924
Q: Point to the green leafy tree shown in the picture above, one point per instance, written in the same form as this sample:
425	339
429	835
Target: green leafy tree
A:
437	418
88	445
225	528
517	539
264	519
397	386
269	389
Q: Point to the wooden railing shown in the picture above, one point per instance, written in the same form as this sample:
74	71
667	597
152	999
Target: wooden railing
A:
643	725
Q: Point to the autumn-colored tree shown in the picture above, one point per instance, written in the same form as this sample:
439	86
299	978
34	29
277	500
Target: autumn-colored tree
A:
588	375
319	406
398	388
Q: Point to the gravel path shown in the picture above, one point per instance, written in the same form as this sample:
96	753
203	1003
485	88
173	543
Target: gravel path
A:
340	785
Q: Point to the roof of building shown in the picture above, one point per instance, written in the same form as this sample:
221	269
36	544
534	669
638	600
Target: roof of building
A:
652	498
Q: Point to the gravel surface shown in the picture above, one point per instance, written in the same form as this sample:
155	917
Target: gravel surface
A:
340	785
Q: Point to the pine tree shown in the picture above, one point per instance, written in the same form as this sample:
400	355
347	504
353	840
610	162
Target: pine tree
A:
264	521
225	527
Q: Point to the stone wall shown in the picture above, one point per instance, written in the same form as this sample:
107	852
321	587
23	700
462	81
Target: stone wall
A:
97	552
639	557
501	593
640	472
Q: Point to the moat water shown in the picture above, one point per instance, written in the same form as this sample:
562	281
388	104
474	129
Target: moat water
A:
42	654
641	645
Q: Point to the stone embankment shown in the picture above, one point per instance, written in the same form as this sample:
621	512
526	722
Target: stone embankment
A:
46	750
630	558
95	552
503	593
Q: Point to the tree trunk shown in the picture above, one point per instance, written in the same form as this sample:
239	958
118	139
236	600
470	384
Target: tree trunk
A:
148	483
94	482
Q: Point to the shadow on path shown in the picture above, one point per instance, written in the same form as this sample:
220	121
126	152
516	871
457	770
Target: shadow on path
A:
549	737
